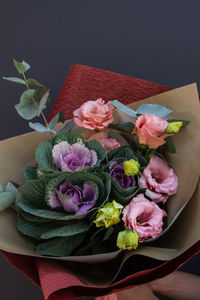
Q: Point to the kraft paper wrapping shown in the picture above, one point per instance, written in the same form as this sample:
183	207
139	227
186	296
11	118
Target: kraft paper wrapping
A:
18	152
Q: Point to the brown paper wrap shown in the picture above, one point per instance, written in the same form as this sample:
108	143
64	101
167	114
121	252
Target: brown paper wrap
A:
18	152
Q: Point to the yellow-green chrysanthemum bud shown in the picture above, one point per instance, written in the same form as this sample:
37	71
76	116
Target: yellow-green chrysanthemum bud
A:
127	240
131	167
174	127
109	214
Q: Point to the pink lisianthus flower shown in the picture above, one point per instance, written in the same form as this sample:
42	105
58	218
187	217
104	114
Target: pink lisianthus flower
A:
110	143
159	180
94	114
102	136
144	217
150	129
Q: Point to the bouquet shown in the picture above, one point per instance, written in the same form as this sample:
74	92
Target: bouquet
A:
105	186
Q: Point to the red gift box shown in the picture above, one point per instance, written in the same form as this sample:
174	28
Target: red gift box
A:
82	84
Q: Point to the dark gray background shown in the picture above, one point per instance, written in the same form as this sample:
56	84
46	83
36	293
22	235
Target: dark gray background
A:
154	40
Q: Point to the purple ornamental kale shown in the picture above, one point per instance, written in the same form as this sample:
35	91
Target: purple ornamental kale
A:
73	199
73	157
117	172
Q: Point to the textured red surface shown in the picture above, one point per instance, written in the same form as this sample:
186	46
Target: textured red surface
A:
84	83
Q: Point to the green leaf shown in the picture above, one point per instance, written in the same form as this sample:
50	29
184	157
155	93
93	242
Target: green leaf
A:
27	108
39	93
65	231
44	156
68	126
11	188
170	145
27	97
120	128
33	82
61	117
30	173
109	232
49	230
31	229
6	200
154	109
1	188
98	148
60	246
43	101
15	80
185	122
21	67
33	192
54	121
27	112
122	152
70	137
40	127
125	109
47	213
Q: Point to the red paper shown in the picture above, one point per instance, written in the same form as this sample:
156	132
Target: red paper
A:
82	84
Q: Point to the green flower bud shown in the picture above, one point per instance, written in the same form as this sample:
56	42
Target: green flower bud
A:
127	240
109	214
131	167
174	127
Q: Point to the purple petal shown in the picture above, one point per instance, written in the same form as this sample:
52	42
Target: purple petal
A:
118	174
73	161
69	205
84	208
89	194
59	152
54	201
94	158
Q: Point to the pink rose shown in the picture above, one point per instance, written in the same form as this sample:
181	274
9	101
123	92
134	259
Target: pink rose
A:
94	114
144	217
148	128
159	180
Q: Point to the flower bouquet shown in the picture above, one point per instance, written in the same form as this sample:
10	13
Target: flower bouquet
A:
105	188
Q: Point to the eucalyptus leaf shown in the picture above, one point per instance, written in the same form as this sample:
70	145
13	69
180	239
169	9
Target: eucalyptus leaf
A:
39	93
21	67
6	200
27	97
68	126
43	101
154	109
27	112
41	128
11	188
33	82
54	121
123	108
15	80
